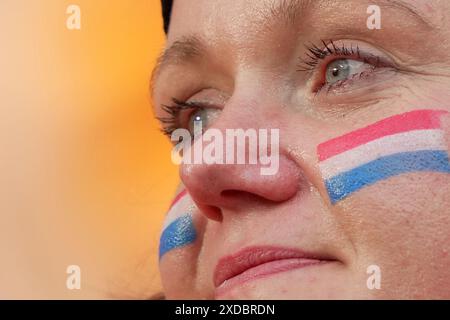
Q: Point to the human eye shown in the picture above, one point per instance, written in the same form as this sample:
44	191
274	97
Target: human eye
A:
340	66
344	69
187	115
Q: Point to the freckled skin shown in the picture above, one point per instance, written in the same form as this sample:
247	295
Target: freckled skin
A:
401	224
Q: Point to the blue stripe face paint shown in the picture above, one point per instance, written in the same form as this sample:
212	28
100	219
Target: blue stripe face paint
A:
177	234
351	181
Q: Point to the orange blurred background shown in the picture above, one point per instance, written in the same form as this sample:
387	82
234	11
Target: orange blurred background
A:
86	175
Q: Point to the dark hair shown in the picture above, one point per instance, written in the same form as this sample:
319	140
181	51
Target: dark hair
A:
166	11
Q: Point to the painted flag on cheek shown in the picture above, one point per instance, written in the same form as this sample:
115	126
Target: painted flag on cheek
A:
409	142
178	228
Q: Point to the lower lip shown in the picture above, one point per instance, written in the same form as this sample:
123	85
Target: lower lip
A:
264	270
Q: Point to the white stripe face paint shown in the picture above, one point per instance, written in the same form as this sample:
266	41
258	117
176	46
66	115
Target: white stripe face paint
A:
416	140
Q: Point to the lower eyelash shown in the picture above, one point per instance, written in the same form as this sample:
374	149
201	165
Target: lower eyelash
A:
328	87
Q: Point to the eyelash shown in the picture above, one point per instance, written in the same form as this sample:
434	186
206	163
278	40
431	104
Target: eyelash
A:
172	122
315	55
308	64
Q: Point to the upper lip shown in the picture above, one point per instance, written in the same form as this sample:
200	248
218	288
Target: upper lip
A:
247	258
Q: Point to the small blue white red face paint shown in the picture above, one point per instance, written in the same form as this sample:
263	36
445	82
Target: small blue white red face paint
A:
409	142
178	228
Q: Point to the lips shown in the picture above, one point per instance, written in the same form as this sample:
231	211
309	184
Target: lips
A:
256	262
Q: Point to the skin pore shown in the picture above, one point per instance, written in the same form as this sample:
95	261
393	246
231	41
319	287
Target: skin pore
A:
272	64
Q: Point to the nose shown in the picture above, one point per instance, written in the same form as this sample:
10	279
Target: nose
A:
234	187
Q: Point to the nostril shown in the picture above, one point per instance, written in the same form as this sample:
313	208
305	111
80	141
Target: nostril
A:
211	212
229	193
216	213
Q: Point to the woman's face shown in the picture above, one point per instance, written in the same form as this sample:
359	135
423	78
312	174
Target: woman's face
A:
359	206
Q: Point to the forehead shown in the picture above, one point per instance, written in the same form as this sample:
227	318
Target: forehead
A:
236	17
212	16
220	22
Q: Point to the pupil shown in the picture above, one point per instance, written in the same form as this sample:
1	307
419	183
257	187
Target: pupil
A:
335	71
338	70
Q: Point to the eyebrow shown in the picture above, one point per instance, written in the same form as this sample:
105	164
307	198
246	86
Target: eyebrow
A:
187	48
184	49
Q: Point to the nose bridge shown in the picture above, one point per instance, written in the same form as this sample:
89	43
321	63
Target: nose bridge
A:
257	101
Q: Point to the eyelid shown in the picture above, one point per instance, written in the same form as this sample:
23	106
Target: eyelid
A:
171	121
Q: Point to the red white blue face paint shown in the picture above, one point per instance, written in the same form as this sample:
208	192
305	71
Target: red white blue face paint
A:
178	228
405	143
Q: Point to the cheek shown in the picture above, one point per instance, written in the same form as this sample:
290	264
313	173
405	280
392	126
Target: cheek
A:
179	259
402	225
446	128
177	271
398	215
